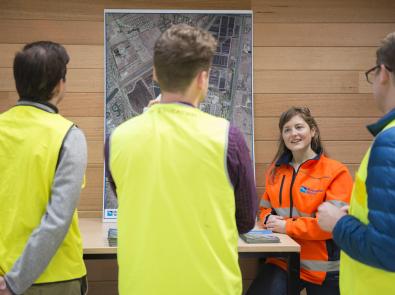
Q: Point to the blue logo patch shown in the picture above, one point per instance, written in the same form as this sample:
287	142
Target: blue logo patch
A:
309	191
110	213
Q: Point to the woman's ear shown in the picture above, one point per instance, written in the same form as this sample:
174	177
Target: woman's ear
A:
313	131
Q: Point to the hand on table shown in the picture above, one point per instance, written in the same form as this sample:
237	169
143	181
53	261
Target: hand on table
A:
276	224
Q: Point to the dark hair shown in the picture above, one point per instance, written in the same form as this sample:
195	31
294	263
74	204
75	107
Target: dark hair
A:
180	53
38	68
385	54
304	113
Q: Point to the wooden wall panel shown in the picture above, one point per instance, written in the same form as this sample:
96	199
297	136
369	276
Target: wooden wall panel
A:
321	34
93	127
317	11
336	105
96	151
306	82
87	10
91	196
81	56
65	32
78	80
80	104
313	58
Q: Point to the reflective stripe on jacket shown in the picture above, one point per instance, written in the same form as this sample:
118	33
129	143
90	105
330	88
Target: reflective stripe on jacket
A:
296	196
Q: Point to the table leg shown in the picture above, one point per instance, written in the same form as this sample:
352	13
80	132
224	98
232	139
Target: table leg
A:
293	273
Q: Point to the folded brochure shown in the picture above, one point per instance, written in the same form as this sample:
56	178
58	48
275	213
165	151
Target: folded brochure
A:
112	237
260	236
252	237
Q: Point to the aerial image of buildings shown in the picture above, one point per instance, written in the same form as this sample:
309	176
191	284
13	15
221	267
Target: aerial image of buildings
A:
129	41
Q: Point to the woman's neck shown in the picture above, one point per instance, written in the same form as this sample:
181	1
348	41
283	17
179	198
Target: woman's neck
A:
302	156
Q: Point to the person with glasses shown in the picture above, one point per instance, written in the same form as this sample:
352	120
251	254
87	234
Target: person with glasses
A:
366	235
300	179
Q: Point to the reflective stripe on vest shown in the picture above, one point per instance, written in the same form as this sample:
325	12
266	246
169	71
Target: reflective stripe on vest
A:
295	212
30	141
357	278
176	210
317	265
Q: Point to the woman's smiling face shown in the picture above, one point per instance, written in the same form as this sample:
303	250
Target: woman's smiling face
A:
297	134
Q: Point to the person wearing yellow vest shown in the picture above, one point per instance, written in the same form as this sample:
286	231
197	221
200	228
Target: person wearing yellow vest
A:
42	164
179	206
366	235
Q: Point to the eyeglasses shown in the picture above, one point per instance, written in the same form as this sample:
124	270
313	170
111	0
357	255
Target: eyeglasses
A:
368	73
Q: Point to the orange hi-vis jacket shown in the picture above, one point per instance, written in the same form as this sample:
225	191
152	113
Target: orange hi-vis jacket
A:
296	195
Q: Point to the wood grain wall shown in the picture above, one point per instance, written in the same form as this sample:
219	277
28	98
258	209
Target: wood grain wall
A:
314	53
306	52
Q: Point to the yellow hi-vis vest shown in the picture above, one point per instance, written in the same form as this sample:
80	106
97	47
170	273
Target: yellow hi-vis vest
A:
30	142
177	231
357	278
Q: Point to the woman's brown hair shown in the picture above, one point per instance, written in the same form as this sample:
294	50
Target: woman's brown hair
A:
304	113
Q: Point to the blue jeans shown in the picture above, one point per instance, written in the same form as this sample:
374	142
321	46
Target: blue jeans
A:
272	280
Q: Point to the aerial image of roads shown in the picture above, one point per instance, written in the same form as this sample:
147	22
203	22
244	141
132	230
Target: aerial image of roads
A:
129	41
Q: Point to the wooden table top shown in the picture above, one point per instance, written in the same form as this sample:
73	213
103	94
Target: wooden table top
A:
94	235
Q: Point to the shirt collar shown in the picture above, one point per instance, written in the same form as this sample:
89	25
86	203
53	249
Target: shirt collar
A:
179	102
375	128
43	105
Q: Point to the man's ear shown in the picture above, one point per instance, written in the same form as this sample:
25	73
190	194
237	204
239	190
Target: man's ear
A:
154	77
58	88
384	75
202	79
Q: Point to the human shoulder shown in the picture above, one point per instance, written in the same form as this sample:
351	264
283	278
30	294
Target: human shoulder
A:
332	166
382	152
385	138
129	124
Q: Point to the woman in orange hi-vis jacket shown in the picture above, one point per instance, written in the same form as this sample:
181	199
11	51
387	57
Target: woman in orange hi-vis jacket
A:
300	178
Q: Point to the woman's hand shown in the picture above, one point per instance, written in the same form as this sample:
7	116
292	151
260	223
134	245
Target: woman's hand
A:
276	224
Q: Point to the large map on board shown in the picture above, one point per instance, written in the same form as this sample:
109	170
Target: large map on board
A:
130	36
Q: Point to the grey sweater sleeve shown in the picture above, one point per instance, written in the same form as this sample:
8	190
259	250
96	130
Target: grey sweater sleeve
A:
48	236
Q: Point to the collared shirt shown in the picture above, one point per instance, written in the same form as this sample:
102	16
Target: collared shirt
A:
240	172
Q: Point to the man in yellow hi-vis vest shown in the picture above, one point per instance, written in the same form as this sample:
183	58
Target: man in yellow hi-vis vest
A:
184	181
367	235
42	164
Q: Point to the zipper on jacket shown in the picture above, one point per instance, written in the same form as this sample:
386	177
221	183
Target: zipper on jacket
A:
281	190
294	173
291	201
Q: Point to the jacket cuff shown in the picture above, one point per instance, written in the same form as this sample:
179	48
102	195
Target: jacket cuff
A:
338	230
266	218
288	226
